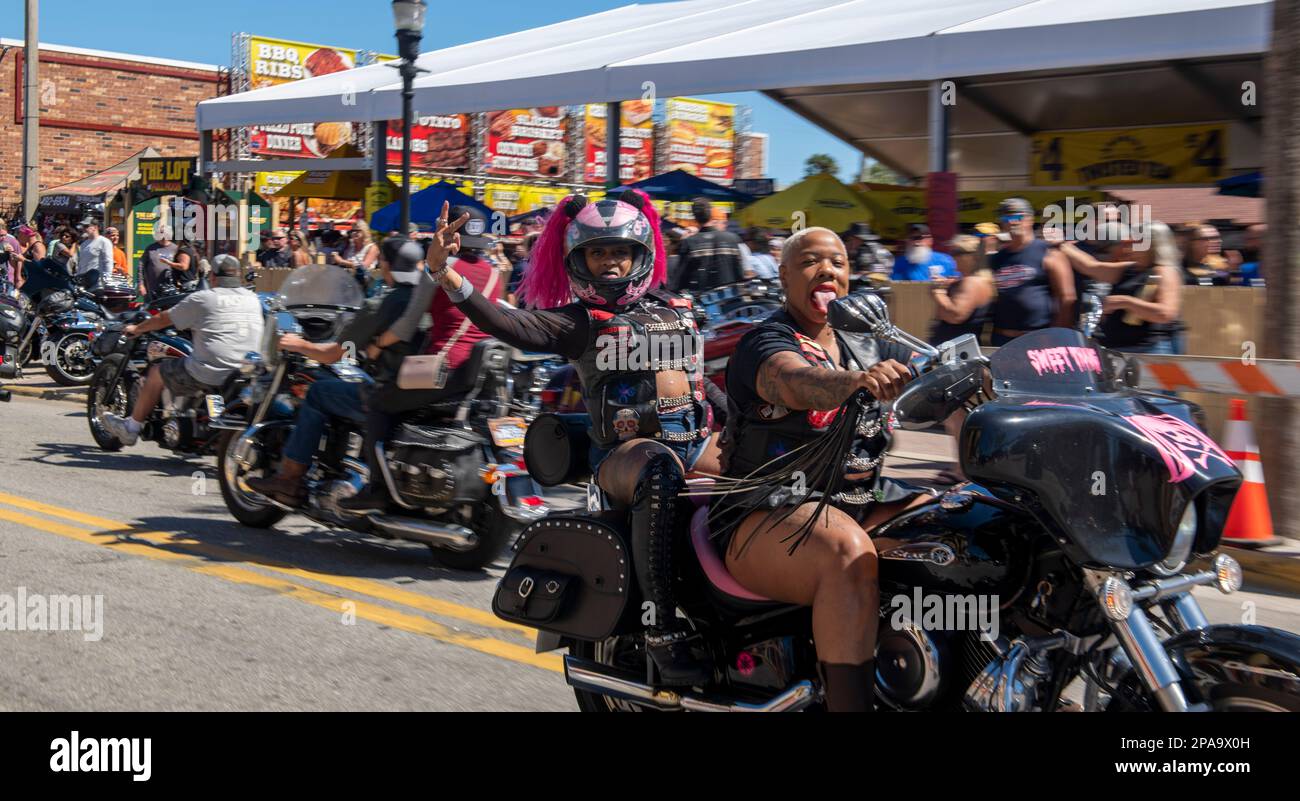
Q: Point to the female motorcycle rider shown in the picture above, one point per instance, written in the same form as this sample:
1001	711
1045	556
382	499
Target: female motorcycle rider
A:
650	417
809	544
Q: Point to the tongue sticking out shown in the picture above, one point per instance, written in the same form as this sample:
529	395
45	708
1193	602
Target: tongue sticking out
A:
822	299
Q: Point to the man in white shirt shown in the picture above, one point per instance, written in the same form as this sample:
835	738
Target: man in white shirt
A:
96	251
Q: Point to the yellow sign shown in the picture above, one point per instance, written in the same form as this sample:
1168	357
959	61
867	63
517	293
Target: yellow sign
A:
894	209
701	138
1177	154
267	184
162	175
512	199
276	61
378	195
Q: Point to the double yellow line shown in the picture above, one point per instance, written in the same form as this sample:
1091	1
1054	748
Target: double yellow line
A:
224	563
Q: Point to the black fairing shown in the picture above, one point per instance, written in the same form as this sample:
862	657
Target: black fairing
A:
985	536
1108	471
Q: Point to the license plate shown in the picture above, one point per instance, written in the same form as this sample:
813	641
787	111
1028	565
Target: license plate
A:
216	406
508	432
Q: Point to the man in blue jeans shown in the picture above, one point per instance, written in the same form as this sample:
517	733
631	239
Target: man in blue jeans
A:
399	263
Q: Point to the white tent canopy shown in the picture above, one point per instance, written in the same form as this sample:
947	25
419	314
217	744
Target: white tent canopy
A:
783	47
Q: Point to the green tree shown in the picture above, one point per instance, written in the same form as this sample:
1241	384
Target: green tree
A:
876	173
820	163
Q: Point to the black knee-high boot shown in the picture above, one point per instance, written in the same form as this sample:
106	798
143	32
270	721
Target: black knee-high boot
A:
656	526
849	688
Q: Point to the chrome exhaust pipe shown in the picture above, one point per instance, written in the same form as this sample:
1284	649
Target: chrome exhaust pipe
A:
443	535
593	677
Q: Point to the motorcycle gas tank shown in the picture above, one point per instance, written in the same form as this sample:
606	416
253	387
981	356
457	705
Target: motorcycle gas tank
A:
1108	475
962	542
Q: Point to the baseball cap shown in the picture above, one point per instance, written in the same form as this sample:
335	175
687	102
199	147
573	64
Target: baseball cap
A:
227	270
918	229
1015	205
474	233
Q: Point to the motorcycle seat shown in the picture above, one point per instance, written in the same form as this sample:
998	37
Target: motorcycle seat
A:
726	590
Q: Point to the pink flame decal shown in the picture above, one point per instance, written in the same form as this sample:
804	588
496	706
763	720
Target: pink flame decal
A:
588	293
635	290
1182	446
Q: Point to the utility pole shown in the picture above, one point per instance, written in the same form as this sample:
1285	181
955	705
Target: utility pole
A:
31	114
1281	259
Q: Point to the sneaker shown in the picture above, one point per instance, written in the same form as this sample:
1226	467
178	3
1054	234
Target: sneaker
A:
121	428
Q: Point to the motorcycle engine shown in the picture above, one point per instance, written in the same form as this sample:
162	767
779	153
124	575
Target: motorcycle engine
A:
910	666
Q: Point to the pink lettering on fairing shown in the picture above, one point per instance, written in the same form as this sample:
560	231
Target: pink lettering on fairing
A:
1064	360
1182	446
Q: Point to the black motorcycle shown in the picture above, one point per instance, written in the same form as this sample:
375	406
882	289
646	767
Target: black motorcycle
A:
13	319
1091	512
454	469
64	322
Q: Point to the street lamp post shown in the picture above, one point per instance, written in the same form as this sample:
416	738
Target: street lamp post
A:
408	18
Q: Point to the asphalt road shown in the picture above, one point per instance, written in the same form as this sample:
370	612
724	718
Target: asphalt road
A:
200	613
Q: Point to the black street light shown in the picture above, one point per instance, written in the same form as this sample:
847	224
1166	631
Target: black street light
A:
408	19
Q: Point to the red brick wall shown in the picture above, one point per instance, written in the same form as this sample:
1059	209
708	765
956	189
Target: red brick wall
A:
155	100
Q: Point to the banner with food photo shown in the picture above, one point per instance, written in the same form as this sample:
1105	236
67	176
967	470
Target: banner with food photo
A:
273	62
527	142
636	156
701	138
438	142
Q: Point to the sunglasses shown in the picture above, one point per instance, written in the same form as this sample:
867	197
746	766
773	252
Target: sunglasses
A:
1008	218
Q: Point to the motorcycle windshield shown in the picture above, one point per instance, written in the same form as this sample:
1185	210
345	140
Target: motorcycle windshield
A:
1051	361
321	285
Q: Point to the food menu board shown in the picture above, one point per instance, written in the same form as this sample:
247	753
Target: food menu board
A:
273	62
701	138
512	199
438	142
636	151
527	142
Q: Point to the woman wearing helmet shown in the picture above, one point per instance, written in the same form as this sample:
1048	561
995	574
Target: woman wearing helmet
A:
593	284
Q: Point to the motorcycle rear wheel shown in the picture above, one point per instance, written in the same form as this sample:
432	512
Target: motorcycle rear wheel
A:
494	531
609	652
243	508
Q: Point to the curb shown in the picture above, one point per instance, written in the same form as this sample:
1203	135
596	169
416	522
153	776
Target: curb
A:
68	395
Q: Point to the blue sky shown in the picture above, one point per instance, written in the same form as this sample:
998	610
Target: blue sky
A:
197	30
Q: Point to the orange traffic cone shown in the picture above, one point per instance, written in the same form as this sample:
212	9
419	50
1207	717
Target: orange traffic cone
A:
1250	524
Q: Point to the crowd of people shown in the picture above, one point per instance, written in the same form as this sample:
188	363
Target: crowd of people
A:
31	251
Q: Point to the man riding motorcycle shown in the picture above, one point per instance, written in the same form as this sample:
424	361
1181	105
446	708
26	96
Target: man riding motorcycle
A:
399	262
795	524
649	420
226	322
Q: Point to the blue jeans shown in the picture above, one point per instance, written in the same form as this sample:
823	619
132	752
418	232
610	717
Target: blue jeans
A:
329	398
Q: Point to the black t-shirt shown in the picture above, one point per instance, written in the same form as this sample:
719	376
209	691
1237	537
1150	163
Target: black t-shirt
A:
776	334
274	257
708	260
375	317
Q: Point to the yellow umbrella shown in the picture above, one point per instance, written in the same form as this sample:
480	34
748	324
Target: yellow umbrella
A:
337	185
819	200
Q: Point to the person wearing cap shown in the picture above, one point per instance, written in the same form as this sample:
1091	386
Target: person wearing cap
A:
225	324
449	332
920	261
399	263
1034	281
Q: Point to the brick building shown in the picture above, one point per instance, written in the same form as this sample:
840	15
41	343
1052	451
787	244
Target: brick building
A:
97	108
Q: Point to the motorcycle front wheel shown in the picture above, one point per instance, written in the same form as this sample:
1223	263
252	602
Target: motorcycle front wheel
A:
244	506
99	401
70	364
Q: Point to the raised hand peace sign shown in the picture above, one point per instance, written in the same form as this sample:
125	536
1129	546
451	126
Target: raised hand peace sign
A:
446	238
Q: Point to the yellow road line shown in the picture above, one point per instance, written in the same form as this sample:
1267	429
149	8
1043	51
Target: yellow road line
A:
363	610
374	589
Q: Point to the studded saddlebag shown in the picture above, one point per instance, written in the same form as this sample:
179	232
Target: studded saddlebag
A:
572	575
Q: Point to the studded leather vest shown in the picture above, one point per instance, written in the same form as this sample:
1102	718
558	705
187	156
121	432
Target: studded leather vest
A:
755	443
624	353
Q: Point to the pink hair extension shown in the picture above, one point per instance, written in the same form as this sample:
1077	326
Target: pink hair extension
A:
546	283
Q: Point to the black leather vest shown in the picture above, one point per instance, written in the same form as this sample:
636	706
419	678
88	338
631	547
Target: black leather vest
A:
624	353
756	444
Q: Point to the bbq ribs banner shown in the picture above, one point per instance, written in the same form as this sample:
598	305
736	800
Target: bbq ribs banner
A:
273	62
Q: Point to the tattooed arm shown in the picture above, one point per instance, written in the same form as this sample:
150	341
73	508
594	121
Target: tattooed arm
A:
787	379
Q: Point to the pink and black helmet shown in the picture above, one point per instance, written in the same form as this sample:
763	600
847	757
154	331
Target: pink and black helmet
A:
608	222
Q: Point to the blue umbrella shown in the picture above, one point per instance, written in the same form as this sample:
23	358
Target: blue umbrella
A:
679	185
426	205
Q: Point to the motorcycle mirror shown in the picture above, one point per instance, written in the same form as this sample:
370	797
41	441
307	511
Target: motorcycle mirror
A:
935	396
860	313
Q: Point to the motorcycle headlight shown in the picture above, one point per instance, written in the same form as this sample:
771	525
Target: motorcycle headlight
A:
1181	549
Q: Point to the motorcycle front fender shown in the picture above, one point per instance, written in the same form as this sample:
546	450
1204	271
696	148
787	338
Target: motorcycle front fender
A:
1259	657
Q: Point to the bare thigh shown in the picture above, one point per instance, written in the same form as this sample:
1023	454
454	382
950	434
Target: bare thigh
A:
763	564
